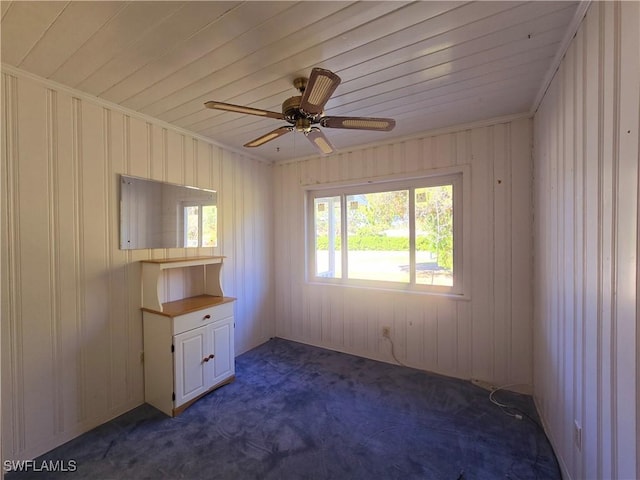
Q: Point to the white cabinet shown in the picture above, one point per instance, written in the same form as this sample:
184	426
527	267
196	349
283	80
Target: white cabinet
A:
188	343
202	359
193	378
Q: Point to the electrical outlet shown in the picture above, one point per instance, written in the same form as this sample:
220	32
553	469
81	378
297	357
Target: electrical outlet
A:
577	435
386	332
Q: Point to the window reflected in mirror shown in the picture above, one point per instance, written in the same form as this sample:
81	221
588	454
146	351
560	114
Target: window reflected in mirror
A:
200	225
157	214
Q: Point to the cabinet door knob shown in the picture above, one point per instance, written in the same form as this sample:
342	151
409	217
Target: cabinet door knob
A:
207	317
211	356
205	359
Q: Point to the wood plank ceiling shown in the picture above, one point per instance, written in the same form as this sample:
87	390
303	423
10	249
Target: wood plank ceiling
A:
426	64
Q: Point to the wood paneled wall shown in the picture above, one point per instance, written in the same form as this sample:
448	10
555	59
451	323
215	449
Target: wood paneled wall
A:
488	336
71	320
586	249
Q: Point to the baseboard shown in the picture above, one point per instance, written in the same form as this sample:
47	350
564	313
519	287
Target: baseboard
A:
563	466
523	388
48	444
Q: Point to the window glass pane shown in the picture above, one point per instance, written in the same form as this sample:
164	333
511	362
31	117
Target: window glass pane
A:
327	237
209	225
378	236
434	235
191	226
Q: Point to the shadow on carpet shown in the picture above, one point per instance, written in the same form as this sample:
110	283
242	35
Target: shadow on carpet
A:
301	412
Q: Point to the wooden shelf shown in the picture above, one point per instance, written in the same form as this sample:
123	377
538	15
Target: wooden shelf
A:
184	261
154	272
188	305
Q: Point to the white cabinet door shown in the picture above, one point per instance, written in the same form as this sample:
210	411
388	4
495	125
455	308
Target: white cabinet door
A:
192	371
221	334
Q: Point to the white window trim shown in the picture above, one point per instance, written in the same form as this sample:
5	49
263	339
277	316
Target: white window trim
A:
462	228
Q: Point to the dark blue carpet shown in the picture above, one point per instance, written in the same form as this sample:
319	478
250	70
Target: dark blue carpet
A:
300	412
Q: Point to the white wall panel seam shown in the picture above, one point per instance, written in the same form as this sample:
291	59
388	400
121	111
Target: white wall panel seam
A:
508	181
606	234
80	276
626	261
107	187
15	300
129	254
54	272
614	234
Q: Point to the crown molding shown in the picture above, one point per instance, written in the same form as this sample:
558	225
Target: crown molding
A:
572	29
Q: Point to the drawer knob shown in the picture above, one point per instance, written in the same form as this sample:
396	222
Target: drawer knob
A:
207	317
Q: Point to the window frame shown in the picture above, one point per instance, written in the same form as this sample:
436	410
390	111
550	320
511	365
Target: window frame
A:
458	176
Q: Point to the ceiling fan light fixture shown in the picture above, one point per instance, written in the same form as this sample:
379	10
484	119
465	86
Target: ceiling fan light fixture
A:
303	125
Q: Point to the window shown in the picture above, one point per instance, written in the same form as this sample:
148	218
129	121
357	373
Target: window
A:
200	225
403	234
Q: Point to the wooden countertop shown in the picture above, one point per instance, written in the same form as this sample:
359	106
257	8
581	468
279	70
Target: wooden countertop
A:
190	304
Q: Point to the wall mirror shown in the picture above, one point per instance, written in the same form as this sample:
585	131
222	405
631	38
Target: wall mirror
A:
157	214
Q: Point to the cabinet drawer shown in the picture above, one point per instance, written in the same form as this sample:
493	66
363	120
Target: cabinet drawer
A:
191	320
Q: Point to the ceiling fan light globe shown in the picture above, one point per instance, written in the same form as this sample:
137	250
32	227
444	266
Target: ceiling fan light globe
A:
303	125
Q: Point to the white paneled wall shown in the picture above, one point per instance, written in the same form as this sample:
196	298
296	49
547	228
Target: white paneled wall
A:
586	250
71	320
487	336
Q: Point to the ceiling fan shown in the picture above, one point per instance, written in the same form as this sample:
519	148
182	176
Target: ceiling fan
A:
304	111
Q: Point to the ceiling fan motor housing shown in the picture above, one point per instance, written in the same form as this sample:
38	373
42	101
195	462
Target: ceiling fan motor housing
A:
295	116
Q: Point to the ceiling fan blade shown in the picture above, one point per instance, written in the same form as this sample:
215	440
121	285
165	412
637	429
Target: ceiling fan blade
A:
321	142
359	123
321	85
267	137
240	109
